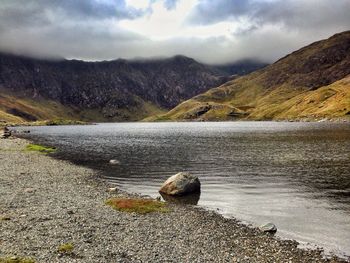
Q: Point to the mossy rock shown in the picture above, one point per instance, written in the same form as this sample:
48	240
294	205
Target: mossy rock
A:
40	148
137	205
66	248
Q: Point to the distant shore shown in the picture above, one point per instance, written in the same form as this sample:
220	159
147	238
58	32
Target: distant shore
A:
46	203
62	122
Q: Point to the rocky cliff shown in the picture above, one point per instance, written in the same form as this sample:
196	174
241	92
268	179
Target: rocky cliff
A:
32	89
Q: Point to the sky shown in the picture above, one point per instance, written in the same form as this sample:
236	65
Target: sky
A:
210	31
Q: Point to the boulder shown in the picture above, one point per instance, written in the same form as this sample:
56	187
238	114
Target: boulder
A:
268	228
181	184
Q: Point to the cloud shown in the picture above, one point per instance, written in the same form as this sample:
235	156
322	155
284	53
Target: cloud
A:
217	31
292	14
269	29
67	28
170	4
209	12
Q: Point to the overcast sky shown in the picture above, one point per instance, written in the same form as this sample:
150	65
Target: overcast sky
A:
211	31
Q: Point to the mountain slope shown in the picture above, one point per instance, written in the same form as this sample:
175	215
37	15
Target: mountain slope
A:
312	82
32	89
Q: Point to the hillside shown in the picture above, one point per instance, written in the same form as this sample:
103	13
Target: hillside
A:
311	83
35	89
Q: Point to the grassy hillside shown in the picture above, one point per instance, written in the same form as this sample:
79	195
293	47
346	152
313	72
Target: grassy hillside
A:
14	109
310	83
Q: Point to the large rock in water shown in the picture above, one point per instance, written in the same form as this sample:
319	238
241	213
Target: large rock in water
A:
181	184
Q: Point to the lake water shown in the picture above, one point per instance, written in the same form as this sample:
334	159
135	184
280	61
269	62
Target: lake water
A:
296	175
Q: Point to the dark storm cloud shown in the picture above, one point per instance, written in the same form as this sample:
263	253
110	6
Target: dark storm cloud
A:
209	12
89	9
33	14
293	14
69	28
269	29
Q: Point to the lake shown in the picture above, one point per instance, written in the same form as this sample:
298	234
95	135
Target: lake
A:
296	175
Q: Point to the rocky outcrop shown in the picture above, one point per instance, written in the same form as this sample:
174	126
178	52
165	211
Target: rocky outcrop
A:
181	184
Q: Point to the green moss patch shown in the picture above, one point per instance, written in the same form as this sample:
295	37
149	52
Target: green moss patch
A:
40	148
16	260
66	248
138	205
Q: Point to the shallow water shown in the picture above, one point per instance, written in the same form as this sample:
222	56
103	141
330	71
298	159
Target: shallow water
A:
296	175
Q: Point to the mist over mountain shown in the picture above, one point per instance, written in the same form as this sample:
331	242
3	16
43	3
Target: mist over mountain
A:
241	67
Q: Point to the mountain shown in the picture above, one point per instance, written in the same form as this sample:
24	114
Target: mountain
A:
240	67
35	89
310	83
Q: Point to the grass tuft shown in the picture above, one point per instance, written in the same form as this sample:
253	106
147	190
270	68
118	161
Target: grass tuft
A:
66	248
140	206
40	148
15	259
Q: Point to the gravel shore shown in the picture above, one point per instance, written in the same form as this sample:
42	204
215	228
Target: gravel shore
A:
45	203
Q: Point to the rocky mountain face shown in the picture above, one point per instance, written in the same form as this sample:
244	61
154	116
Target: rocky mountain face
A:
311	83
111	90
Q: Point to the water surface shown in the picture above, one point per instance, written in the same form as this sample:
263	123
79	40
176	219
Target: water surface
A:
296	175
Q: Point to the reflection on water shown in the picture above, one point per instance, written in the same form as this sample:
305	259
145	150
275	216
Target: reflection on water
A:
191	199
296	175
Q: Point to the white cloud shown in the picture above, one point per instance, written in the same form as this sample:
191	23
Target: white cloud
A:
139	4
163	23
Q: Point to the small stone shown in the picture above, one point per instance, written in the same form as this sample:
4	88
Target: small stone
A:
112	190
114	162
29	190
268	228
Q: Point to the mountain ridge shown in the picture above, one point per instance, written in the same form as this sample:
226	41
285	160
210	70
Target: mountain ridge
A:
99	91
272	92
114	90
